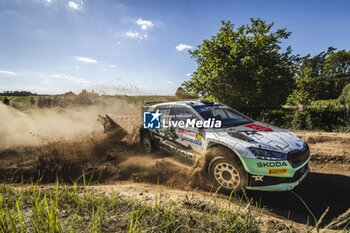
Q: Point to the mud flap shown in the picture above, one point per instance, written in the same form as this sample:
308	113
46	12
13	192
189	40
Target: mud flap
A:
110	125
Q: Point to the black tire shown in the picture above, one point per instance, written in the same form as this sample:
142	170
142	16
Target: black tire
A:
227	172
147	143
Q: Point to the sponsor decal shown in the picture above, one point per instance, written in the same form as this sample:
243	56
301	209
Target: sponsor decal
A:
151	120
259	127
272	164
228	130
190	136
258	178
183	153
190	140
181	132
210	108
277	171
199	137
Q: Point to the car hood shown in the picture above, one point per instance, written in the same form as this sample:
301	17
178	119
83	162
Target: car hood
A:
266	136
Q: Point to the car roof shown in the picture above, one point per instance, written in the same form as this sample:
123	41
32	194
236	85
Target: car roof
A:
193	103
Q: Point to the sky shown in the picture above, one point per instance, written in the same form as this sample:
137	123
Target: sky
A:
141	47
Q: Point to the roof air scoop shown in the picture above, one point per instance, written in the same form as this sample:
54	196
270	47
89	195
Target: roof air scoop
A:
207	102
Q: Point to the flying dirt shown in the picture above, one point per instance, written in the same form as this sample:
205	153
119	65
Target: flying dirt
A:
67	143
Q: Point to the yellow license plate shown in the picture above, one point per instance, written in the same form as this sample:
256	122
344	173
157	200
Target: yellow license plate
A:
278	171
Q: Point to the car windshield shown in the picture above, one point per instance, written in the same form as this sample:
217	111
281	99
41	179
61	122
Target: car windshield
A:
225	114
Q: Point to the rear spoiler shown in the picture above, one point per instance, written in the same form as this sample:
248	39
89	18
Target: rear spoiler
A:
148	104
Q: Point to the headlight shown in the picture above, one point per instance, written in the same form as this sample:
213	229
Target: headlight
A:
267	154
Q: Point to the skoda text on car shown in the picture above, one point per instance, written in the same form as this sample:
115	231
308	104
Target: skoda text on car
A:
240	153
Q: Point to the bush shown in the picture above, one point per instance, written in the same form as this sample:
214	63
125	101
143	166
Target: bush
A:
344	98
330	118
279	117
299	120
325	103
327	119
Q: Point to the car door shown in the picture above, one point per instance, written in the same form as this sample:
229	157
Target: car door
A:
159	134
189	137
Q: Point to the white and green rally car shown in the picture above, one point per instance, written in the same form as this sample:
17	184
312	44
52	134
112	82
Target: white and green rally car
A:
240	154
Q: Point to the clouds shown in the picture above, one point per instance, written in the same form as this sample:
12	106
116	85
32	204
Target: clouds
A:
76	5
86	59
7	72
144	24
71	78
170	82
181	47
132	34
135	35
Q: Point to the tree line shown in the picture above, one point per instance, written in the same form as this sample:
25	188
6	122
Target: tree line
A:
246	66
17	93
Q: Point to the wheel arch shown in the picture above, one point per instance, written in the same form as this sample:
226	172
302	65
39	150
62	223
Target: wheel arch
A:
225	157
212	145
145	131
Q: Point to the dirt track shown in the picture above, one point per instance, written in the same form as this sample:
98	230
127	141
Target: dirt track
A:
327	185
109	160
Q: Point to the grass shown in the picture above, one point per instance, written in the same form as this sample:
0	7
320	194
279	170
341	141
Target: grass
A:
78	208
21	102
75	208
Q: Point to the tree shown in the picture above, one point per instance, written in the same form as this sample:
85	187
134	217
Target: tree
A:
41	102
32	101
244	67
336	71
305	87
344	98
182	94
321	77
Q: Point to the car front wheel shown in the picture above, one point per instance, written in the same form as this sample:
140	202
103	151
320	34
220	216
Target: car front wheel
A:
227	174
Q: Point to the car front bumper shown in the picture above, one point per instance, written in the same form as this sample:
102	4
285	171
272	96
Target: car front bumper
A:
269	183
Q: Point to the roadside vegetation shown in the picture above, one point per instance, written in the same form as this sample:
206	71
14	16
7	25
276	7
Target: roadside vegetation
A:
247	68
62	208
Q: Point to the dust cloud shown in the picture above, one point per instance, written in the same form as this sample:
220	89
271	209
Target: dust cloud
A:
36	127
66	143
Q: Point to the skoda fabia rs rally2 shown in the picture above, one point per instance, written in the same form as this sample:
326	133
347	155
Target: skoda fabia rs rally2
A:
240	153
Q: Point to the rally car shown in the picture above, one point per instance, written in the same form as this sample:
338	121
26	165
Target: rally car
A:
240	153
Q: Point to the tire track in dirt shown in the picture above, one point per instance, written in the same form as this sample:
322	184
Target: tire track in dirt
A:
319	191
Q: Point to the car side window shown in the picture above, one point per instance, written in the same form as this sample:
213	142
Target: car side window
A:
164	110
181	113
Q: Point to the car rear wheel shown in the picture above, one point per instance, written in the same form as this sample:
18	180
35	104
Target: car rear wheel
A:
227	174
147	143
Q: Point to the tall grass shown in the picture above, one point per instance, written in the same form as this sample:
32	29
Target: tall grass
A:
62	208
76	208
